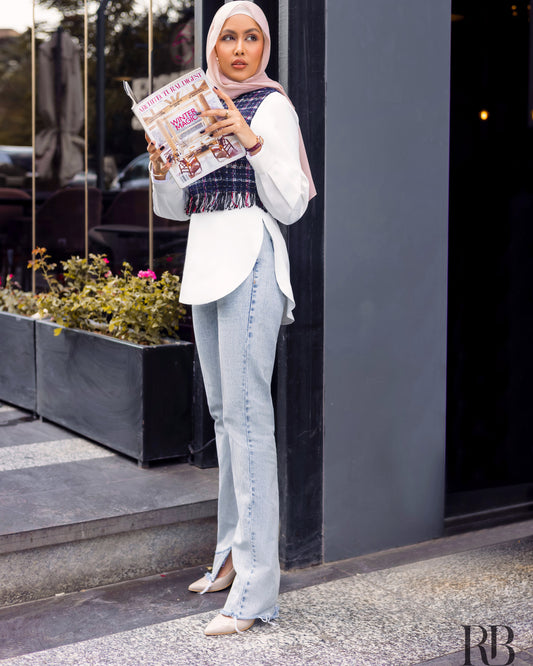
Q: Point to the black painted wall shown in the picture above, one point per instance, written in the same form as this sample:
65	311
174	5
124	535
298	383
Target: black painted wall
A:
298	380
301	361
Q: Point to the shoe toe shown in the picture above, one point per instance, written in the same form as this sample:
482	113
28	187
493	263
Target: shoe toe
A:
198	585
221	583
222	624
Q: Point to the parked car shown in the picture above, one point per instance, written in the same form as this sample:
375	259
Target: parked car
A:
15	166
79	179
134	175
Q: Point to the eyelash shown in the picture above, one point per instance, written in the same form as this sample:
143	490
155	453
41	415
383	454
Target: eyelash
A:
252	38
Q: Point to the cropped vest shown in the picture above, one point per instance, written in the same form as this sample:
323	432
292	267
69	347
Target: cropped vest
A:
233	185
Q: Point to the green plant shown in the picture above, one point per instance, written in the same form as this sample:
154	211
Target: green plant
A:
16	301
138	308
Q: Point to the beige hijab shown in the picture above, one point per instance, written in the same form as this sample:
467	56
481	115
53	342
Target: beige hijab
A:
260	78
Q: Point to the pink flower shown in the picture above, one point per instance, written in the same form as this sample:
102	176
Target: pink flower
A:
105	260
10	276
108	274
147	274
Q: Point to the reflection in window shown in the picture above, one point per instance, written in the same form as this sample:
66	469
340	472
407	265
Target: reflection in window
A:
15	152
60	126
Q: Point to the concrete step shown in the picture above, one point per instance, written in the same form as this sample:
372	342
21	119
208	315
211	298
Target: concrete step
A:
75	515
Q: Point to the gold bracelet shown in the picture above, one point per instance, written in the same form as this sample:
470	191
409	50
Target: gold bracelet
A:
158	176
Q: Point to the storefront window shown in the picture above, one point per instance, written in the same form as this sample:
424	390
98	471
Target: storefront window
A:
90	190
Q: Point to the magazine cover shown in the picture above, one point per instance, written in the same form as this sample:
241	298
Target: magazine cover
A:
170	117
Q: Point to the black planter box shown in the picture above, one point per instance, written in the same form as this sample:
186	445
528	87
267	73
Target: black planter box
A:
17	360
133	398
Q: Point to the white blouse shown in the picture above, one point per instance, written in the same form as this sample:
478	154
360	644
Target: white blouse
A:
223	246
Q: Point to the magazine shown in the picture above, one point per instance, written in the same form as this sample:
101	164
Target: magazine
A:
170	117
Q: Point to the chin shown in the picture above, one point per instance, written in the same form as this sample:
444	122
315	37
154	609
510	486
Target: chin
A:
237	76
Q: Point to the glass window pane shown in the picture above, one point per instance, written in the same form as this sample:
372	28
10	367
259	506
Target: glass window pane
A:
116	148
123	234
15	142
59	144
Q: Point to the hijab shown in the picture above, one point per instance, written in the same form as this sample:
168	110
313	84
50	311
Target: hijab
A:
260	78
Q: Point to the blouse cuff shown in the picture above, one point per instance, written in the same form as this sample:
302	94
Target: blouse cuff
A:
168	184
155	180
263	161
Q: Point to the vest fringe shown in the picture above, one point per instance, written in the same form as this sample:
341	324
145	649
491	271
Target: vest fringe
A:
207	203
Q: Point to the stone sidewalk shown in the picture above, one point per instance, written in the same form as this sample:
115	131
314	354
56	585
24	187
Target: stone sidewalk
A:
401	607
92	508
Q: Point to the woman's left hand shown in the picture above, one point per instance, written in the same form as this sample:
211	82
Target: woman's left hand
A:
232	122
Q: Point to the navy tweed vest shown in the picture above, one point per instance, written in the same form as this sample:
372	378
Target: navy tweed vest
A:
233	185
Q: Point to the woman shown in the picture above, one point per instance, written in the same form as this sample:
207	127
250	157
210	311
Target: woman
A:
236	277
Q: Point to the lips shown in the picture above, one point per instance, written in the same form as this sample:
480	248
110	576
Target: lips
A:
239	63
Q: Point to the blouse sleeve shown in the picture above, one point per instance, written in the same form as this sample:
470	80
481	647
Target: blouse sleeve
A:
169	199
281	183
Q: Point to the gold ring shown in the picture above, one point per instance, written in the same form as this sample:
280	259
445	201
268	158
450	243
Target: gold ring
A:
227	114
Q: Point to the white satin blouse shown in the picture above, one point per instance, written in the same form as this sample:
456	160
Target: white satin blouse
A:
223	246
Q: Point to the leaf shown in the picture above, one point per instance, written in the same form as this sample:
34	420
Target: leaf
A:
57	331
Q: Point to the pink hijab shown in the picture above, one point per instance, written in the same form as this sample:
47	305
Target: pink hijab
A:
260	78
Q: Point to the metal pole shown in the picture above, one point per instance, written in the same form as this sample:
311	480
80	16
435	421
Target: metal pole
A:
150	87
100	92
86	123
58	101
530	87
33	157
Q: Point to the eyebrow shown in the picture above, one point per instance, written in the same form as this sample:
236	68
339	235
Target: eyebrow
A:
232	32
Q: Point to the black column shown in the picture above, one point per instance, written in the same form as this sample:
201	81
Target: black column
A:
209	8
300	383
270	7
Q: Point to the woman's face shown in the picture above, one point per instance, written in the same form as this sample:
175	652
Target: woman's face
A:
239	47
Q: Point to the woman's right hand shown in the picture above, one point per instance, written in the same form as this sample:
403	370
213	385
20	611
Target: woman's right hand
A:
159	168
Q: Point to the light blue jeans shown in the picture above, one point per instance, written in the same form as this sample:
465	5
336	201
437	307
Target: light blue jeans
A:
236	339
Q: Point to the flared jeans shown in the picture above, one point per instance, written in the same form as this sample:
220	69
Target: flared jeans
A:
236	339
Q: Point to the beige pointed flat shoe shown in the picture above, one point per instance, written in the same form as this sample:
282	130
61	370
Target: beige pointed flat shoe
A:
221	583
222	624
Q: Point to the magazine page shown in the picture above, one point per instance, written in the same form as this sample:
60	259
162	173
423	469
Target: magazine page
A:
170	117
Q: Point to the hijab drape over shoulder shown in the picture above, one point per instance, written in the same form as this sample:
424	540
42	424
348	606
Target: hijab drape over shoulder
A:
260	78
